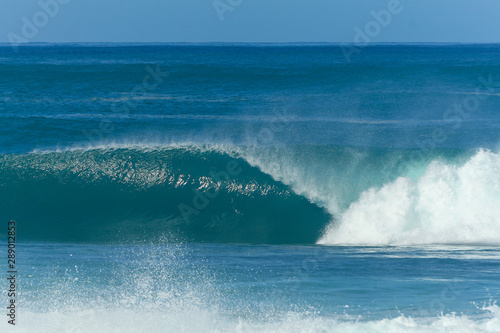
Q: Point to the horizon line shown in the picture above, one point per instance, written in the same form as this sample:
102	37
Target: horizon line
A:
215	43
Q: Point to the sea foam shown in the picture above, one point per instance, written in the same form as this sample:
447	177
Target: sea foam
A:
448	204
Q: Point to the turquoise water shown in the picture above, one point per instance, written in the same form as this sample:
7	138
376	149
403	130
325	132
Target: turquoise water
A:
252	188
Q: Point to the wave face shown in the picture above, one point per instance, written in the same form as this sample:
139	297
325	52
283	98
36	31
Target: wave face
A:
143	194
448	204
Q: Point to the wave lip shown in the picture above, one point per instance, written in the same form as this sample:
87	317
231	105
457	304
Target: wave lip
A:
448	204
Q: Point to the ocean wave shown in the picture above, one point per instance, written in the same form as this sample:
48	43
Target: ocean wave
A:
141	194
323	194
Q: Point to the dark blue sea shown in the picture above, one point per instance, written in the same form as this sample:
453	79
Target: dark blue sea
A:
251	187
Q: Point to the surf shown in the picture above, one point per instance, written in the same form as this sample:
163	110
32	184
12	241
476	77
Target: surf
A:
448	204
328	195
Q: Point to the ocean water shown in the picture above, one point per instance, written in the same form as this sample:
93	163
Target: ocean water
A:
251	188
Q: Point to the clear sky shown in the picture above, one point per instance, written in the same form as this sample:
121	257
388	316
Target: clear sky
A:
249	20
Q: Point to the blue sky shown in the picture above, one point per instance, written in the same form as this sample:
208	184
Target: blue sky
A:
249	20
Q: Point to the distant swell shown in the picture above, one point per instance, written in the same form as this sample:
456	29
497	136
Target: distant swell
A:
141	194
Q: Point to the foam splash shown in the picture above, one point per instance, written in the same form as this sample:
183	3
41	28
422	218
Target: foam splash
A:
122	320
448	204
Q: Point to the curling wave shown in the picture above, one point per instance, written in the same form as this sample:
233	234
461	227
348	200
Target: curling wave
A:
329	195
142	194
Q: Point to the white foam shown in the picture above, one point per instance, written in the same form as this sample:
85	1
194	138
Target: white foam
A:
123	320
447	205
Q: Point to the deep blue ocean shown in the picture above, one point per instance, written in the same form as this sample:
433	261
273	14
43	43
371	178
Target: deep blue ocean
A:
251	188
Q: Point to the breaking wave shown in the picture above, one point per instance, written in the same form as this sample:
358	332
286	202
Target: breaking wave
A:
274	195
